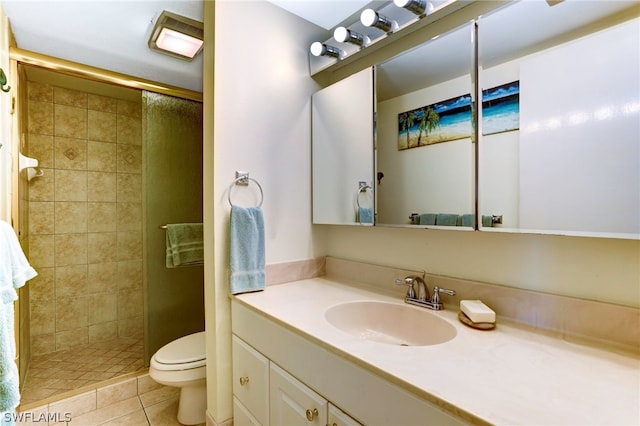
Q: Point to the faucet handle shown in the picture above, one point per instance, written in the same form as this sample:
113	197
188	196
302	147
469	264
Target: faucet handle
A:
411	291
437	290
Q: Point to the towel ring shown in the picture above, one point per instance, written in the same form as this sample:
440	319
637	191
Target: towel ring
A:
363	188
246	179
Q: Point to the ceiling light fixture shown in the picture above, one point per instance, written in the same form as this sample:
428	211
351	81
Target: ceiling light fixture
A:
321	49
344	35
177	36
416	7
371	18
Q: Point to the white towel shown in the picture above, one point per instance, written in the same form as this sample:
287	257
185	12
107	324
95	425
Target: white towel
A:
14	272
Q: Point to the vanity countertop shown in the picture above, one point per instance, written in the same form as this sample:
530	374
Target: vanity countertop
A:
508	375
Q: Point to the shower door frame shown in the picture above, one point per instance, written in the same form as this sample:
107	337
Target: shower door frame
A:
19	56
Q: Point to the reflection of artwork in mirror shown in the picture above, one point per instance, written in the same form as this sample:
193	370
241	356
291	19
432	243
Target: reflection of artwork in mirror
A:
443	121
501	108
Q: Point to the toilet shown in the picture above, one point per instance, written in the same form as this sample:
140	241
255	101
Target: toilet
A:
182	363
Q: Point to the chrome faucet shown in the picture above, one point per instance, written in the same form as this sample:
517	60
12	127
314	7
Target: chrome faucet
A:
422	298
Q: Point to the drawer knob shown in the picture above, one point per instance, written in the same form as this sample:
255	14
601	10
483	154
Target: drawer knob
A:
244	380
311	414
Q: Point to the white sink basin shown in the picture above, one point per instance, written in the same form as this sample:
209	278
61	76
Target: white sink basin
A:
390	323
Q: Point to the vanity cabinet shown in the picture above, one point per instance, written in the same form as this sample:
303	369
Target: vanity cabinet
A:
264	393
303	374
250	384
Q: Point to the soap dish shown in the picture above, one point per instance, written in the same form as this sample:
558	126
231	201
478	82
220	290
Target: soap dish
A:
477	325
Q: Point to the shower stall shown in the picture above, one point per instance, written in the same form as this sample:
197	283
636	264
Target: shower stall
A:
115	164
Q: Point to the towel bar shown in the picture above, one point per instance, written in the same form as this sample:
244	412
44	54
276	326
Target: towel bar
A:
243	179
362	187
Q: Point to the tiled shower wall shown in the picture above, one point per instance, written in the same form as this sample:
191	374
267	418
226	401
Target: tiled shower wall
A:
85	218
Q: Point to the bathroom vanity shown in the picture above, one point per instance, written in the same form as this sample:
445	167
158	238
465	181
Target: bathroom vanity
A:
290	362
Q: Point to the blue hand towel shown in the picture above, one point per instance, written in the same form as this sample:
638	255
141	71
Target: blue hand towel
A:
468	220
487	221
247	250
427	219
447	219
185	244
365	215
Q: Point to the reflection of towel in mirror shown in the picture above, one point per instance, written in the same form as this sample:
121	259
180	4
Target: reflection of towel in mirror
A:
447	219
487	221
427	219
365	215
14	272
468	220
185	244
247	251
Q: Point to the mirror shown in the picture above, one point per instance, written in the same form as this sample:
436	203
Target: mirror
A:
424	146
559	147
558	134
342	151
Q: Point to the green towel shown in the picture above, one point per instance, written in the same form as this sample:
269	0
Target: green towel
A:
185	244
446	219
427	219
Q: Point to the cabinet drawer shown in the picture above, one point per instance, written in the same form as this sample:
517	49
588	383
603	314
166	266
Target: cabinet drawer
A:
251	379
293	403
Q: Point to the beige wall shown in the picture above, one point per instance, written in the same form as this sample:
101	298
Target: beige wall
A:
261	124
589	268
85	217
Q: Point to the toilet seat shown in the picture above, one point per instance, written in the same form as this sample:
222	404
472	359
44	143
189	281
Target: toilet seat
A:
185	353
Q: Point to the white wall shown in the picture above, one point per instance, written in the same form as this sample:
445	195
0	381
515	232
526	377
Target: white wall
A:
261	124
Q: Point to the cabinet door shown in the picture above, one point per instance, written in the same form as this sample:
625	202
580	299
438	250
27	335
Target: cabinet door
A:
292	403
337	417
242	416
251	379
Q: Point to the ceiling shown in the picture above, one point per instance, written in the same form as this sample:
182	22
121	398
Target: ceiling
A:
108	34
113	34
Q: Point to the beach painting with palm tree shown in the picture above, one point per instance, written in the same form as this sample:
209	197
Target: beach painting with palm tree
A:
501	108
440	122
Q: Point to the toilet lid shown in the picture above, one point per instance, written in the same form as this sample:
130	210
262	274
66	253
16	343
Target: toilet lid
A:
187	349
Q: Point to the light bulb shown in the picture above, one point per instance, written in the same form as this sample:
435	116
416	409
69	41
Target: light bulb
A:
371	18
414	6
344	35
321	49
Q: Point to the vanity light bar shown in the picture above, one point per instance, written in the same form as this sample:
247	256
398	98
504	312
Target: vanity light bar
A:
390	18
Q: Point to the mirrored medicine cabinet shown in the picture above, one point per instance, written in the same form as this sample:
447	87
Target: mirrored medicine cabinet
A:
557	126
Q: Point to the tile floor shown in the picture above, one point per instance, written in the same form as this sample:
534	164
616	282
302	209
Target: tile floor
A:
62	371
134	401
